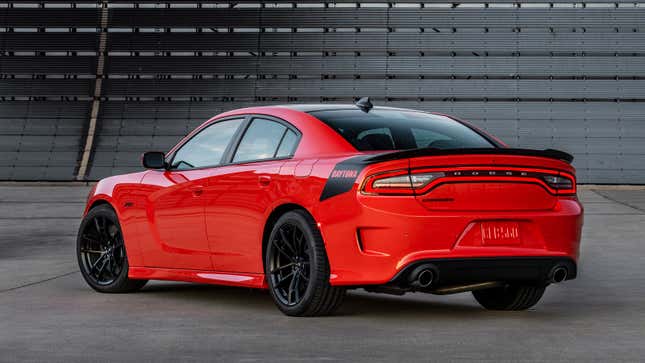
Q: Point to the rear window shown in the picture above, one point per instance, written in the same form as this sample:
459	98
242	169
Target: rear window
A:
400	130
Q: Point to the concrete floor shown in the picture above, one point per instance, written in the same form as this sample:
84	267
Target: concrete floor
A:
48	313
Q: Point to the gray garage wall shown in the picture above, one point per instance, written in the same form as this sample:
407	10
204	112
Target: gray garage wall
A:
559	74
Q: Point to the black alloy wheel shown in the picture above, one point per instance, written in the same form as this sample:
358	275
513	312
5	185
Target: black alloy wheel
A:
101	252
297	268
290	267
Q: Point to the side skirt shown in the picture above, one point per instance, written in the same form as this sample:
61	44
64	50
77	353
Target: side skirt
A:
205	277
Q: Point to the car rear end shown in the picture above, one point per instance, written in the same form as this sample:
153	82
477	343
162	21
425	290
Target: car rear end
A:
433	219
479	217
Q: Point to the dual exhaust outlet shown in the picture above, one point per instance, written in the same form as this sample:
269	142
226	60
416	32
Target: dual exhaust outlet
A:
424	276
558	274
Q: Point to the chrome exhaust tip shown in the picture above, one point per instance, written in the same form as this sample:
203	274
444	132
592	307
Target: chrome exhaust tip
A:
423	276
558	274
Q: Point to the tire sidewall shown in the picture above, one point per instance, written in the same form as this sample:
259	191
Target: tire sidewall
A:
107	212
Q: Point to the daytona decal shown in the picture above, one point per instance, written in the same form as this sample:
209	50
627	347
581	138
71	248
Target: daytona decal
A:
344	173
343	177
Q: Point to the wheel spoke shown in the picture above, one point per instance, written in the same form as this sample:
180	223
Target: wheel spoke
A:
121	251
303	276
106	233
302	243
98	229
118	243
282	251
98	252
286	242
285	278
294	239
96	263
112	231
290	292
90	239
280	268
296	287
118	264
305	250
113	266
105	263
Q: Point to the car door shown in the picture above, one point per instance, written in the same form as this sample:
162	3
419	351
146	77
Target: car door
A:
176	235
240	194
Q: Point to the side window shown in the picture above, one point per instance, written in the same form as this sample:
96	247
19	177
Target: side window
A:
207	147
288	145
264	140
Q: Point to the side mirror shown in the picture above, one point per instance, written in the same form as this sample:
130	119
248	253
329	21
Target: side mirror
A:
154	160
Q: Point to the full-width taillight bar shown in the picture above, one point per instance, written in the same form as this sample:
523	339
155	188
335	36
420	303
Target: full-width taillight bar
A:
420	181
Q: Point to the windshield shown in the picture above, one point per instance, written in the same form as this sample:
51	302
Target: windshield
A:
381	129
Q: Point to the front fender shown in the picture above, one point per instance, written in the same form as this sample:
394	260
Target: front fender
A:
126	196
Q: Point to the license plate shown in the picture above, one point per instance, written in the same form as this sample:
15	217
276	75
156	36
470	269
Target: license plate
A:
500	233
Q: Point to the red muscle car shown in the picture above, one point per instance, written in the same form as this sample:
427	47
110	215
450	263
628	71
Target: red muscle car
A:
311	200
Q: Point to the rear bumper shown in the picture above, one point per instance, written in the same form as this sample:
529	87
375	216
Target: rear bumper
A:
530	270
374	244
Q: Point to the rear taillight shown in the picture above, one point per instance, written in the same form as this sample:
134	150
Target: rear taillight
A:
414	181
410	182
399	182
561	183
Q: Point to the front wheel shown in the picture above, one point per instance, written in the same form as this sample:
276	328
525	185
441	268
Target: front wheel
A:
101	252
509	297
297	268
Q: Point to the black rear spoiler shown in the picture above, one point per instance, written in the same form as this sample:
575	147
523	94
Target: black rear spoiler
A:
412	153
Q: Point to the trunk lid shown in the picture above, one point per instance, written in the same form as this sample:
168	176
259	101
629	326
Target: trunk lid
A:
487	179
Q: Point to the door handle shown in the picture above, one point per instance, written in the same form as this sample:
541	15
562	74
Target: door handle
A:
264	180
197	190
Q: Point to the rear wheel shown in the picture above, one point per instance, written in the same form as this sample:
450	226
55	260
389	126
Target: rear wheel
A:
509	297
297	268
101	252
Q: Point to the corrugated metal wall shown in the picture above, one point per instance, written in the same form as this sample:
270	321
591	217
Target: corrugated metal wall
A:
558	74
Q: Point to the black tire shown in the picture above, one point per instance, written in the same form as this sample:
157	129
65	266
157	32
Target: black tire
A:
295	247
509	297
101	253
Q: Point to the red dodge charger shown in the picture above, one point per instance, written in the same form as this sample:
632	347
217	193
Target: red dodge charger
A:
308	201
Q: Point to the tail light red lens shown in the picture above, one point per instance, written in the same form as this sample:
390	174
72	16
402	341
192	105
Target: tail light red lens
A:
404	182
414	181
558	182
563	184
400	183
